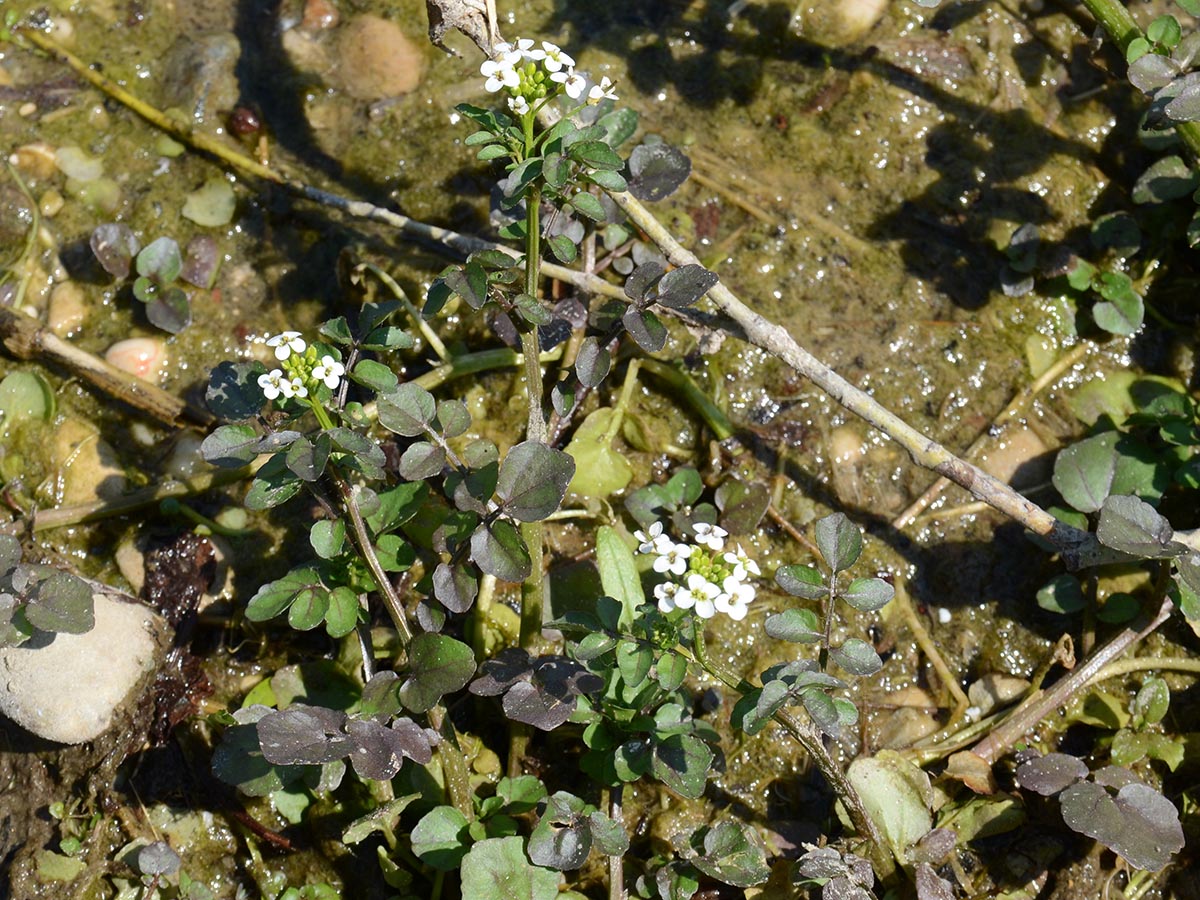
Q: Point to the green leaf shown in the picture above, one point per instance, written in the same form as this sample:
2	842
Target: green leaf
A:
337	330
800	626
441	839
437	665
395	554
618	574
563	248
10	553
1168	178
408	410
683	287
497	869
1164	30
533	480
1083	472
620	124
170	310
160	261
610	181
397	505
1152	701
1133	526
1139	823
231	446
868	594
600	470
897	796
820	707
308	608
273	485
275	596
499	550
1061	594
656	171
634	661
1122	311
596	154
374	375
669	671
681	762
421	460
857	657
233	393
839	541
307	458
587	205
342	614
521	177
801	581
61	603
384	819
733	854
469	282
328	537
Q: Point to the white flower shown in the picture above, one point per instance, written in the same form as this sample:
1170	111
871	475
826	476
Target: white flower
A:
742	563
648	539
602	91
501	73
525	48
286	344
329	371
710	536
272	383
672	559
518	105
735	598
665	594
554	57
699	595
297	389
573	84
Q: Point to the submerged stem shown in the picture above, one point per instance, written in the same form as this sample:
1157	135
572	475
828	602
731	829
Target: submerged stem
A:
810	739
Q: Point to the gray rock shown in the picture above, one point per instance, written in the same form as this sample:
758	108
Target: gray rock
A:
66	687
199	75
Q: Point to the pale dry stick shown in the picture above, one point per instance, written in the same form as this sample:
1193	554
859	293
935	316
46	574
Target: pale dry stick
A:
1046	702
929	648
1078	548
25	338
1023	397
734	197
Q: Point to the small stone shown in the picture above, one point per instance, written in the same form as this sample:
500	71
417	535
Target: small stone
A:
67	309
319	15
376	59
144	357
87	468
50	204
36	160
78	164
200	74
25	110
67	687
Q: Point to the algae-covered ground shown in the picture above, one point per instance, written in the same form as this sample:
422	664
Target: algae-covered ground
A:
858	171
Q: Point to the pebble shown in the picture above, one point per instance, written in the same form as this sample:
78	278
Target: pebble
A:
50	204
67	309
78	164
87	465
144	357
67	687
36	160
200	77
319	15
376	60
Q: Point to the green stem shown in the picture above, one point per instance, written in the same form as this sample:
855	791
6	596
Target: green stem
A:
810	739
1121	27
616	863
712	415
533	588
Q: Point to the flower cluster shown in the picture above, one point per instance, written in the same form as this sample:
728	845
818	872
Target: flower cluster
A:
300	369
706	577
530	74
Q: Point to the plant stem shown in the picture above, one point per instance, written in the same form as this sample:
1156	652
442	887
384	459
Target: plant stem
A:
810	739
533	588
616	863
1121	27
